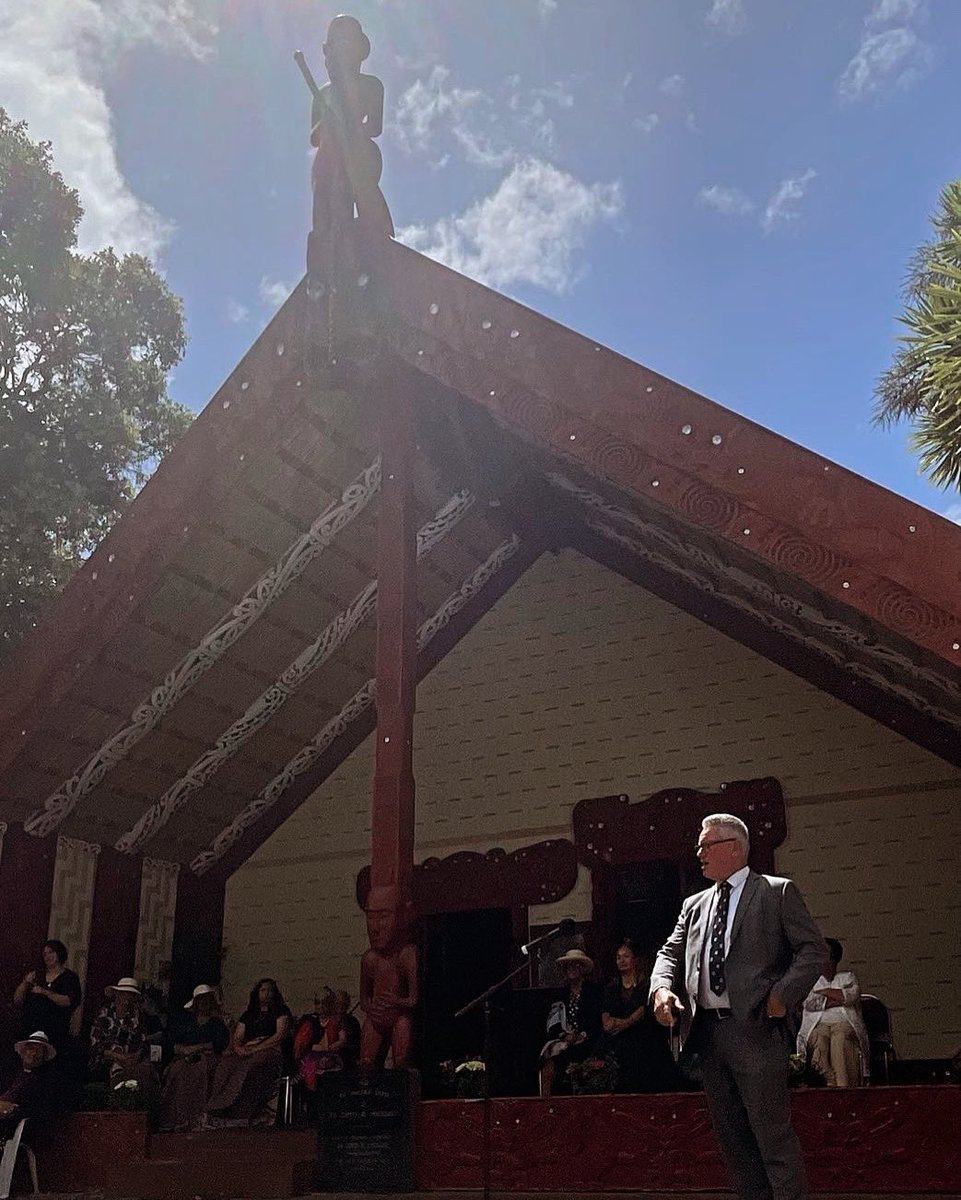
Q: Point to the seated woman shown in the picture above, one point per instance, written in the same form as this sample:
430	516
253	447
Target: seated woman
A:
351	1051
320	1042
31	1092
832	1027
245	1080
198	1037
641	1046
118	1039
49	996
573	1024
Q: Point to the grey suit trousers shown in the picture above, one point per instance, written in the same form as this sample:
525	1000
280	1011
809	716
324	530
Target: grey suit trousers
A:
745	1071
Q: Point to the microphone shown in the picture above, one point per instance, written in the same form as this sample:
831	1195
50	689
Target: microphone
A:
546	937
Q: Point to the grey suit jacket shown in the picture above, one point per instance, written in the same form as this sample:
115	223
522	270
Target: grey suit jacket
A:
774	943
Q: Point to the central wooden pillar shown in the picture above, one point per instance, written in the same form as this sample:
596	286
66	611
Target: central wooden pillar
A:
392	810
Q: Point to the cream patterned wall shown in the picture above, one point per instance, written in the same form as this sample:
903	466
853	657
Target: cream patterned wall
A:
71	900
579	684
158	907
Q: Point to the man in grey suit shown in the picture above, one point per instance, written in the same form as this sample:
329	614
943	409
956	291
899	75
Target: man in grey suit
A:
747	952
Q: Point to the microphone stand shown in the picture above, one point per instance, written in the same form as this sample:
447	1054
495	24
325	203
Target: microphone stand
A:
485	999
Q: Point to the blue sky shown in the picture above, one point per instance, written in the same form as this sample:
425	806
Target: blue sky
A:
726	190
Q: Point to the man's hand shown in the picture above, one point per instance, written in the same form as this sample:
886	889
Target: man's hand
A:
666	1007
776	1007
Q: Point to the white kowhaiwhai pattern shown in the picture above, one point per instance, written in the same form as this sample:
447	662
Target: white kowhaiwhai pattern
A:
213	646
276	696
354	708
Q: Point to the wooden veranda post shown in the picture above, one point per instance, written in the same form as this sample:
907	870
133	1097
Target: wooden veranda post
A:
392	813
388	978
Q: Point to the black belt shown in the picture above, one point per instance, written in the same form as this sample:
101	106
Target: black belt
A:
715	1014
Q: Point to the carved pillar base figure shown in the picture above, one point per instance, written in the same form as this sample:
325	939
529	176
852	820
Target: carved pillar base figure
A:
388	980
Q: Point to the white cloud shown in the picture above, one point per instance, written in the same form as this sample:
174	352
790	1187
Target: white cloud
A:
953	513
547	8
647	124
728	16
891	58
433	118
427	105
274	292
891	12
729	201
237	313
673	85
55	58
527	231
483	151
782	207
891	53
559	92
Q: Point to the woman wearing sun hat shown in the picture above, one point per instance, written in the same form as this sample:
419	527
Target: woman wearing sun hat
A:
198	1036
573	1024
118	1038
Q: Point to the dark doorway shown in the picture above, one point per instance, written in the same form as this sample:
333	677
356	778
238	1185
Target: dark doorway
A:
464	953
648	901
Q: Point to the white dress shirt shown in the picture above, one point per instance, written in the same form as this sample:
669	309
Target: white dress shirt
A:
705	997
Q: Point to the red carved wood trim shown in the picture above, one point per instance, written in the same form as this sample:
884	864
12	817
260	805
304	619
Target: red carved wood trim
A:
852	539
877	1140
610	830
541	873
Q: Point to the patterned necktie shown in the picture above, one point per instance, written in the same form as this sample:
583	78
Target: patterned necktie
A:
718	930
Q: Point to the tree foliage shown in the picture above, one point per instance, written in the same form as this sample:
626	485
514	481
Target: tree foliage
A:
923	384
86	343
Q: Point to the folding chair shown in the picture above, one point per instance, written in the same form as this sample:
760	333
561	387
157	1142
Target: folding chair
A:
11	1147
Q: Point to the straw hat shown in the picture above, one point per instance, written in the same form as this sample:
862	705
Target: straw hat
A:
126	985
37	1039
578	956
202	989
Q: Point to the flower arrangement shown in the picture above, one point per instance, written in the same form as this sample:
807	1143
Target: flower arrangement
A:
464	1080
470	1077
801	1071
129	1095
594	1076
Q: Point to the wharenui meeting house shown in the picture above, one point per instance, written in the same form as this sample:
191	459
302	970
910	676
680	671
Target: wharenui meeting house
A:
468	612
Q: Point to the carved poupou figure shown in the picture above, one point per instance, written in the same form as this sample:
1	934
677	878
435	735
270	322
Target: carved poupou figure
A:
388	981
346	115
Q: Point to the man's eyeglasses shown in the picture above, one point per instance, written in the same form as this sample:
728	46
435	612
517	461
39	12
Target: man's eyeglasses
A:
707	845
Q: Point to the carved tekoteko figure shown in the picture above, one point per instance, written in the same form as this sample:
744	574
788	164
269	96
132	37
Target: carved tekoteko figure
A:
346	115
388	980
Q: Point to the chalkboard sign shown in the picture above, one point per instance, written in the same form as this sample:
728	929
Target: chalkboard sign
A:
367	1131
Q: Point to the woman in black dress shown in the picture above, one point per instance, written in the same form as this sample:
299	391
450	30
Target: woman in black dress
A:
49	996
641	1046
246	1076
574	1023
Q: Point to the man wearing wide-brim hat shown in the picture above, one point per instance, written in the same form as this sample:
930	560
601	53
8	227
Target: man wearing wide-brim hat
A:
30	1093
